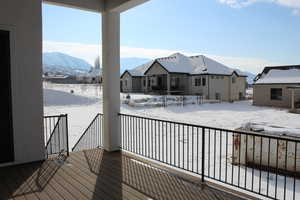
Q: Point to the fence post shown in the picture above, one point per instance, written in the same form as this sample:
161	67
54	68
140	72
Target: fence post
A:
67	134
203	154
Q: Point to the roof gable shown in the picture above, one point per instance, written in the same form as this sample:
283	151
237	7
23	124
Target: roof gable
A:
125	73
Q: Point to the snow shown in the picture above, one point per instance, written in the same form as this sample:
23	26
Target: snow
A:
65	99
140	70
280	76
222	115
63	63
191	65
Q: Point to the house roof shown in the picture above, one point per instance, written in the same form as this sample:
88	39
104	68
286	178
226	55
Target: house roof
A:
280	74
179	63
138	71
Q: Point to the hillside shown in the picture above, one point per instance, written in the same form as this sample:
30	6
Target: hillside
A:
56	62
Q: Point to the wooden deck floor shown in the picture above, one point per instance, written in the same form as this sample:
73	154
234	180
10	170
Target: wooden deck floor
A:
95	174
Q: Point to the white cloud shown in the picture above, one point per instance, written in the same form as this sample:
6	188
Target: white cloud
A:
296	12
237	3
89	52
294	4
254	65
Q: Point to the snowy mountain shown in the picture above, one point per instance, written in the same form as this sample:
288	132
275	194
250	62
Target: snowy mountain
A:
250	77
56	62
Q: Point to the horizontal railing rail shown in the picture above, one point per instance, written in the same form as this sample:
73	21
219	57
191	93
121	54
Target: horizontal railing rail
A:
92	136
56	134
266	165
283	137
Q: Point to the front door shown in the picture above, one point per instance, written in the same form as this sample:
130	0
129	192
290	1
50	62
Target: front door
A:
6	136
159	81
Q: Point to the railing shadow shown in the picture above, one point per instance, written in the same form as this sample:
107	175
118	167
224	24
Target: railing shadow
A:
123	176
27	179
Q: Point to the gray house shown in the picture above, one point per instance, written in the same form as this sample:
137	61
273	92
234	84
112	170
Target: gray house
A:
180	74
278	86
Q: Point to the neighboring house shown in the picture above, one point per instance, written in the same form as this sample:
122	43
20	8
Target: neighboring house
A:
133	80
180	74
278	86
60	79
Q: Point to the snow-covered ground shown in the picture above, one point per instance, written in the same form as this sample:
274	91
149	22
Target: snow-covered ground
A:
83	102
86	101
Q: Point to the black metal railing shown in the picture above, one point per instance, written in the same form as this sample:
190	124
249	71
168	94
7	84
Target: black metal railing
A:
56	134
265	165
92	136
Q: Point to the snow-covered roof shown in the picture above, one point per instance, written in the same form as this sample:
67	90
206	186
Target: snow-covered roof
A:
280	75
210	66
179	63
140	70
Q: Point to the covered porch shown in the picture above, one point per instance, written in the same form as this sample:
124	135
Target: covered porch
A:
169	83
98	174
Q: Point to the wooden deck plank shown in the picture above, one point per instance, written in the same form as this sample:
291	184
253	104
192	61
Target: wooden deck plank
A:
96	174
107	179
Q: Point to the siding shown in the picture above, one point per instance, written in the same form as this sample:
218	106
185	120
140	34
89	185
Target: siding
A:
238	87
262	95
155	70
128	87
198	89
219	84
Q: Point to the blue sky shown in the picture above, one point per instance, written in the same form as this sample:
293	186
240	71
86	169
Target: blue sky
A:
259	29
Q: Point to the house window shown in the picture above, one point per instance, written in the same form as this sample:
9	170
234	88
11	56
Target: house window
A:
212	77
197	81
149	82
276	94
203	81
126	83
218	96
144	83
233	79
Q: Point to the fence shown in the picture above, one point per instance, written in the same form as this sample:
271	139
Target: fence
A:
92	136
56	134
266	165
167	100
262	164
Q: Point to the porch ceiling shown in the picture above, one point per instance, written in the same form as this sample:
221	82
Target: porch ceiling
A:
98	5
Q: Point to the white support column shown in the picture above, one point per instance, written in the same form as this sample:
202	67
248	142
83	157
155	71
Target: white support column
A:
111	79
168	84
293	99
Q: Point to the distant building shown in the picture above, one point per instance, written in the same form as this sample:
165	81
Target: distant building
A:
278	86
93	76
59	78
180	74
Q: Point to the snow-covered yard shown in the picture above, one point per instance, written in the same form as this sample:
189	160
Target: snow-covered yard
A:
83	102
86	101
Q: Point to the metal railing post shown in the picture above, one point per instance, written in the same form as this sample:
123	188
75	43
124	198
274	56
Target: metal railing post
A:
203	154
67	134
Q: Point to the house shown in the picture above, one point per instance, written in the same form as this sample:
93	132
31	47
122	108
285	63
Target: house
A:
133	80
278	86
180	74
